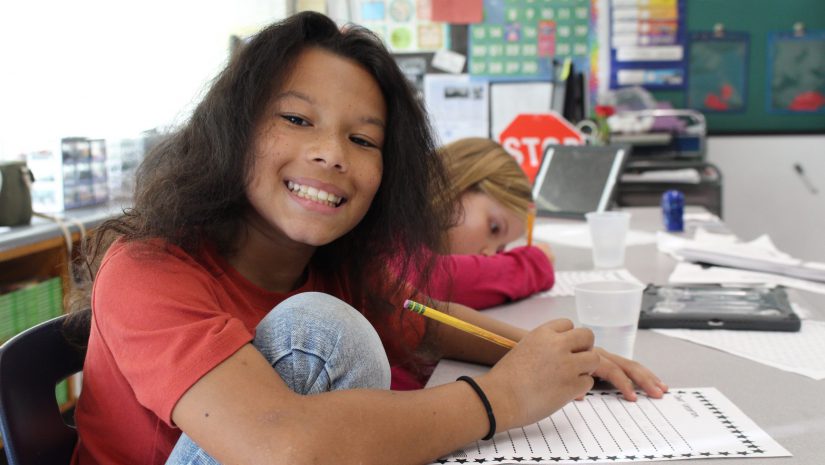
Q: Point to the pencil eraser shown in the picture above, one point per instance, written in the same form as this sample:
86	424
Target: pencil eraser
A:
407	303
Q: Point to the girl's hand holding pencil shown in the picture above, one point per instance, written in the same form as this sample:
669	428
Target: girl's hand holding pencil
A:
458	324
549	367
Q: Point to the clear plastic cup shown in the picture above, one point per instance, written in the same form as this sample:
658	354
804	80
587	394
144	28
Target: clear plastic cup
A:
608	231
611	310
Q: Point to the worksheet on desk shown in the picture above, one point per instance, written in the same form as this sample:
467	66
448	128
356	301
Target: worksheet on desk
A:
686	423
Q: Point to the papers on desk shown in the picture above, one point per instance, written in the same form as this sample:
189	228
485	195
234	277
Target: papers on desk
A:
759	254
691	273
565	280
578	235
800	352
686	175
604	428
755	262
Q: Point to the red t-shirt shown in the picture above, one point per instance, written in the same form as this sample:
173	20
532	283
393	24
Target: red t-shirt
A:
161	320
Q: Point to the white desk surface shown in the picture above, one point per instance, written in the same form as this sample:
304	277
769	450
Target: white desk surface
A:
788	406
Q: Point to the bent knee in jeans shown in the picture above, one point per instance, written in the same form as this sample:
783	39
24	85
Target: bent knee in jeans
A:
316	343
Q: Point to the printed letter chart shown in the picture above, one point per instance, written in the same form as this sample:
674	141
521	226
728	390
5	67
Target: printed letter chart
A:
686	423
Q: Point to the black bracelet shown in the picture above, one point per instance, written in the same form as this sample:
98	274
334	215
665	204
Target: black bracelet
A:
487	406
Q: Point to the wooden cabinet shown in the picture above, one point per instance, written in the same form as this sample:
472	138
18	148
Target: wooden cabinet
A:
39	252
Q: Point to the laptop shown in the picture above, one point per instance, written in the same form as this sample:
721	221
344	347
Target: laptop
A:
575	179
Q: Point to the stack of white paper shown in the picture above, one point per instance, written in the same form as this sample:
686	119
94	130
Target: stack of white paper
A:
690	273
759	254
686	175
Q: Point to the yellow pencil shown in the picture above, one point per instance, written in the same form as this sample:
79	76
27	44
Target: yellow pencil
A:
458	324
531	220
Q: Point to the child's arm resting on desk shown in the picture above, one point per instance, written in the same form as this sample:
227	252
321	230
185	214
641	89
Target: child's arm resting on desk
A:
242	411
620	372
481	281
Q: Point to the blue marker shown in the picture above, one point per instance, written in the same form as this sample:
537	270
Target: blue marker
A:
673	209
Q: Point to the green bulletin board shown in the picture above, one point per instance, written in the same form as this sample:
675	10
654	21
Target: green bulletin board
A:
761	20
518	39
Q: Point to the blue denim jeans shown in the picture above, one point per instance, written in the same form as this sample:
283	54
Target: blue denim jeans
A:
317	343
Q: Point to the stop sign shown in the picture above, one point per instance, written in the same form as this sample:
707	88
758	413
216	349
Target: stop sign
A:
529	134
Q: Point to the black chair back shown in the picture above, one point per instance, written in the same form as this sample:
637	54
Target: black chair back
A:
31	364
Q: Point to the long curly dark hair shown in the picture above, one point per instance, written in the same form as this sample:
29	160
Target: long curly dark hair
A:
190	189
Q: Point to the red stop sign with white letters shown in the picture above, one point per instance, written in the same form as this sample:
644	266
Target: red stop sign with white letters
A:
528	135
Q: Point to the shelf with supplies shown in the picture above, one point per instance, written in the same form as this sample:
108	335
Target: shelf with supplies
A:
700	182
668	149
662	134
34	273
41	249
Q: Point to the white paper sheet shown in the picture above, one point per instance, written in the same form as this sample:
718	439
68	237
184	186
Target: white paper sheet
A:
578	235
510	99
603	428
759	254
686	175
565	280
801	352
449	61
689	273
458	106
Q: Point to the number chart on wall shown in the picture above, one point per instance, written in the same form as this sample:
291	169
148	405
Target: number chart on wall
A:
518	39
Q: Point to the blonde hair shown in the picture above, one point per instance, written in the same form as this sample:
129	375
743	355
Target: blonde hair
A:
482	165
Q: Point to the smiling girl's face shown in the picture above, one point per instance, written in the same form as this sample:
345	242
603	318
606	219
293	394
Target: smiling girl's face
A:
486	227
318	152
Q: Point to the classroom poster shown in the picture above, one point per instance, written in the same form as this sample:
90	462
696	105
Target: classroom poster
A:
718	71
458	106
796	73
647	43
404	25
519	39
457	11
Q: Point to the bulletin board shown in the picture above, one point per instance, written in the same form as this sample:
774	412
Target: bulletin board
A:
519	39
768	25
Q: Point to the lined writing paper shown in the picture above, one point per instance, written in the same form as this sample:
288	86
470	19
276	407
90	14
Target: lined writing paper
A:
603	428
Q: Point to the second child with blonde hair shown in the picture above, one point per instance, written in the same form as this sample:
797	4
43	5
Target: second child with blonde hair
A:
495	197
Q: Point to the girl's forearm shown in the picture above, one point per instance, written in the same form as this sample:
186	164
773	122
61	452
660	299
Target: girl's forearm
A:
460	345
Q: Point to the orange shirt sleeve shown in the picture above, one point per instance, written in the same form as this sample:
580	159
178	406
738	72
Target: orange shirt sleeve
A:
159	317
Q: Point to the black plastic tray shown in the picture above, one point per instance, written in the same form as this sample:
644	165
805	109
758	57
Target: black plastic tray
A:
717	307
